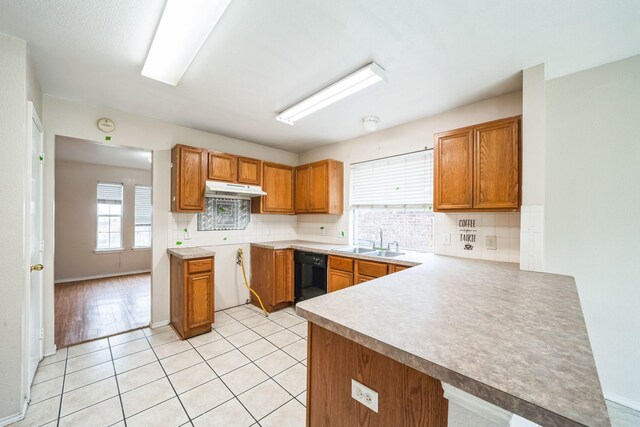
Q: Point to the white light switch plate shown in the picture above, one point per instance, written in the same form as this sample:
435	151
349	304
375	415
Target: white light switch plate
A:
446	239
364	395
491	243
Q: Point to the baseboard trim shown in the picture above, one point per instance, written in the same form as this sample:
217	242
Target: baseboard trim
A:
53	350
159	324
16	417
101	276
622	401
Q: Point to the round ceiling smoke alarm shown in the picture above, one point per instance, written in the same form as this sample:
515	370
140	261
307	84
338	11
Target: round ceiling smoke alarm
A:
370	123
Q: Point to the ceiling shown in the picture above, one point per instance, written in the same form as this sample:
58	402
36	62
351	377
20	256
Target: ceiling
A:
264	56
81	150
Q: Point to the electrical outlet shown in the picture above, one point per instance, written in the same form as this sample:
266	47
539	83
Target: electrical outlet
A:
491	243
446	239
364	395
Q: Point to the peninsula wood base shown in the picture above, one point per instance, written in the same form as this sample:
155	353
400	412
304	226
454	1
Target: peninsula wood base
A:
406	397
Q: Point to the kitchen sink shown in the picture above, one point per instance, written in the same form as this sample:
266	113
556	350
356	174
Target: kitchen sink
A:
386	254
355	250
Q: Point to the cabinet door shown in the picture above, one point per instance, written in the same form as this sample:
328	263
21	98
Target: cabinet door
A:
339	280
303	181
277	182
188	179
282	276
249	171
199	296
223	167
497	165
453	170
319	188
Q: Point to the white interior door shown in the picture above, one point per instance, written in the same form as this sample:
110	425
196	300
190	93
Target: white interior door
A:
36	248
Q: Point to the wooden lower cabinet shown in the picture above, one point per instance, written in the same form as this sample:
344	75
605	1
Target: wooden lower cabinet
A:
344	272
407	397
192	296
272	277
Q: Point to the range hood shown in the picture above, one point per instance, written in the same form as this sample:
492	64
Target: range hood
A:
217	188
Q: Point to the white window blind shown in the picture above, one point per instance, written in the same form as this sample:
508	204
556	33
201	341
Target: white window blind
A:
405	180
143	211
143	205
109	194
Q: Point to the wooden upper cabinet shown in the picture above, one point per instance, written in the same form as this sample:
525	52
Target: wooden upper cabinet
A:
188	178
249	171
497	165
277	182
320	187
223	167
453	170
303	186
479	168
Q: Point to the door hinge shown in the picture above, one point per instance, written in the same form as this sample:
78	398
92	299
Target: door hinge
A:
41	245
41	333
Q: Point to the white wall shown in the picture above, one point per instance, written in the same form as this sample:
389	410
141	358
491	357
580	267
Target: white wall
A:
12	220
62	117
401	139
533	169
592	207
76	221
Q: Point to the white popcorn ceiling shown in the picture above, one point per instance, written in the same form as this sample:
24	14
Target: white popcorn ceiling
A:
266	55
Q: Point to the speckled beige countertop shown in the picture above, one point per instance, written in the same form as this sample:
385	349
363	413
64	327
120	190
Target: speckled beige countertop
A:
512	338
409	258
191	253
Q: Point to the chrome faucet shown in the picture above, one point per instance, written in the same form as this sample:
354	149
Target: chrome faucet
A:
371	242
395	243
381	244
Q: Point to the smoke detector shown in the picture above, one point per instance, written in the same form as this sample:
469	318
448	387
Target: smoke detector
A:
370	123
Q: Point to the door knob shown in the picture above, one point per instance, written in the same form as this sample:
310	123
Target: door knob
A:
37	267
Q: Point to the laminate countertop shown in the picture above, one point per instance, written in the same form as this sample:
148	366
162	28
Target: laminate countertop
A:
515	339
191	253
409	258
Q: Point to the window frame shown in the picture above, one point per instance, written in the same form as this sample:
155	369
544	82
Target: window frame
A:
120	248
135	217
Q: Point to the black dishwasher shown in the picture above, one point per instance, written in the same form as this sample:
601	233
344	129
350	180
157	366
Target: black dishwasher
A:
311	275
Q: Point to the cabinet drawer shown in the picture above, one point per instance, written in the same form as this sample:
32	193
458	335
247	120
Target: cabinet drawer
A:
338	263
199	265
371	269
362	279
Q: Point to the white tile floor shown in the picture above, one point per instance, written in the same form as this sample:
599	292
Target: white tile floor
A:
249	371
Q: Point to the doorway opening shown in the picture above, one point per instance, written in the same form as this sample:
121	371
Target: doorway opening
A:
103	230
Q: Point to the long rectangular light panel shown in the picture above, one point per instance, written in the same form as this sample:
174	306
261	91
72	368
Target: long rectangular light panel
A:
354	82
183	29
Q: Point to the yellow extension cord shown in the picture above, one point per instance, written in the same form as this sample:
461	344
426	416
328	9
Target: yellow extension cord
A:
246	282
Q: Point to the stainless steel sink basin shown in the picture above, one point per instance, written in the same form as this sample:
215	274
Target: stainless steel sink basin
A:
386	254
355	250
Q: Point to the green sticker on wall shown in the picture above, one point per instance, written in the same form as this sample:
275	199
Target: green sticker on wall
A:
107	138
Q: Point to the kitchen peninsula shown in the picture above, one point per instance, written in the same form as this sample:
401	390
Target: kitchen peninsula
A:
514	339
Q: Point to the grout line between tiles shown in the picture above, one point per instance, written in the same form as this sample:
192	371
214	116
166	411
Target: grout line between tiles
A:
113	365
64	378
169	380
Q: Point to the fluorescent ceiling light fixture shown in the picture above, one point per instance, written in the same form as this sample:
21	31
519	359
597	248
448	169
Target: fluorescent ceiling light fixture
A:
354	82
184	27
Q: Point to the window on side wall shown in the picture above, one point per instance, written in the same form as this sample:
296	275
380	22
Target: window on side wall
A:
109	220
142	232
394	195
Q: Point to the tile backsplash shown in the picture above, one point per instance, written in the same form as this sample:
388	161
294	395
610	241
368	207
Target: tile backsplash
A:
261	228
465	235
324	228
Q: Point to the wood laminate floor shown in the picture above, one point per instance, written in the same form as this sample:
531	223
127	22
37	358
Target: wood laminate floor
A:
90	309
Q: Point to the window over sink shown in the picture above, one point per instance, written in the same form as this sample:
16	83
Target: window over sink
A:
395	195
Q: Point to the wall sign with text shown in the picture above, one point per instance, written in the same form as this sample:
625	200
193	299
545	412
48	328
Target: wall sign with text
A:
468	232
